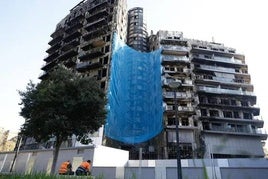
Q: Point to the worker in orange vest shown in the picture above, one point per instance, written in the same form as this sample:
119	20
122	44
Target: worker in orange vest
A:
84	168
66	168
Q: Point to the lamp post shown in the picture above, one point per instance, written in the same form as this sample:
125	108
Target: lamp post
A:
175	85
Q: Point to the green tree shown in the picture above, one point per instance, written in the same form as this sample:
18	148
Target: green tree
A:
60	106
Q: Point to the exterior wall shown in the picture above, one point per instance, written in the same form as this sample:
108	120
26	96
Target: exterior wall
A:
235	145
122	168
141	173
41	160
201	168
105	172
189	172
237	172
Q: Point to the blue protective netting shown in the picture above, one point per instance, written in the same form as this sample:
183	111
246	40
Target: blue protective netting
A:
134	95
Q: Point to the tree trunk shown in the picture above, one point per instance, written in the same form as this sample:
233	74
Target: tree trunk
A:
55	155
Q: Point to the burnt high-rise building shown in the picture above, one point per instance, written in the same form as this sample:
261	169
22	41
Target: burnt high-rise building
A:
137	34
82	42
216	103
217	116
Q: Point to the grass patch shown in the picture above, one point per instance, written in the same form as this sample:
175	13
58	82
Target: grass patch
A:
41	176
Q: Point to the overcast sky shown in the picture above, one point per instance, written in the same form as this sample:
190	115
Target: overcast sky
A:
26	26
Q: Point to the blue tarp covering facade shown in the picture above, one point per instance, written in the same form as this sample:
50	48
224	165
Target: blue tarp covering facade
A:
135	95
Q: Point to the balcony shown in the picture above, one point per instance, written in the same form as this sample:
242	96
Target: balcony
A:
223	61
181	109
175	70
78	16
69	37
223	91
257	122
74	26
96	32
215	68
242	132
186	84
98	6
97	15
181	127
171	59
179	95
174	50
49	65
71	44
217	51
51	57
93	43
68	54
209	79
90	54
58	32
84	66
179	42
43	75
254	110
55	40
70	62
53	48
96	24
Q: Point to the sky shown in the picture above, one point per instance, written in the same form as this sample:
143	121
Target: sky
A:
26	26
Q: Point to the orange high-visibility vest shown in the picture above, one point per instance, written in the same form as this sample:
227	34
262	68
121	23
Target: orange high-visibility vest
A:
64	167
86	166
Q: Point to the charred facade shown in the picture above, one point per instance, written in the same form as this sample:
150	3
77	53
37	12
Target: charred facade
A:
216	102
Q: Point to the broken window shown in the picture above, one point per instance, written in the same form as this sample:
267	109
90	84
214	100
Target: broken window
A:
228	114
231	127
108	38
206	126
171	121
104	72
244	103
185	122
212	100
209	77
216	126
225	101
214	113
202	99
186	151
247	115
103	85
233	102
204	112
236	114
107	48
241	128
105	60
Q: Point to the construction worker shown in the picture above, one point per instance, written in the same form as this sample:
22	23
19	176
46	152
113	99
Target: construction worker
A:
66	168
84	168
